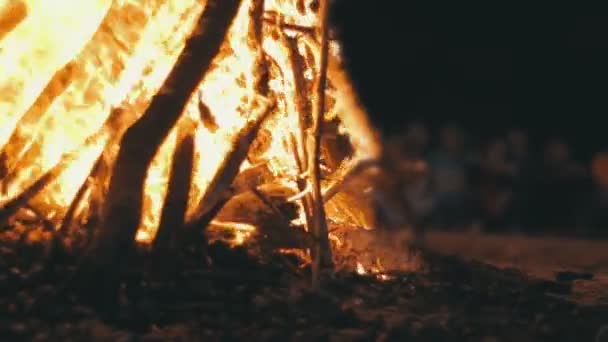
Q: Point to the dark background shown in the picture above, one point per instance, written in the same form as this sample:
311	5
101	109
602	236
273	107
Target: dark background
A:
486	66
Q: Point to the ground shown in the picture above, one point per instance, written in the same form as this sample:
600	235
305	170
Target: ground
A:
538	257
515	295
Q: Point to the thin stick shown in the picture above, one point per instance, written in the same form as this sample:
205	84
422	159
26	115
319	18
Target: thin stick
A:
300	97
256	32
70	214
176	200
323	257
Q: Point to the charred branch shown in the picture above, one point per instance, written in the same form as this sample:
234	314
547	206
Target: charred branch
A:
123	205
176	201
261	73
353	115
229	169
322	255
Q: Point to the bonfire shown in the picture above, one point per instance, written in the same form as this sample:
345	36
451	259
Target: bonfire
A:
155	124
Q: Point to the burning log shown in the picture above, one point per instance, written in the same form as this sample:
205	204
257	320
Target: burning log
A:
141	141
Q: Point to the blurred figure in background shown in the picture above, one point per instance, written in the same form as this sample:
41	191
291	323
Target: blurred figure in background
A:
562	187
595	221
448	166
416	144
417	186
521	158
495	185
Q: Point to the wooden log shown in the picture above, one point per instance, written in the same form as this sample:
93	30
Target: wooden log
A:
123	205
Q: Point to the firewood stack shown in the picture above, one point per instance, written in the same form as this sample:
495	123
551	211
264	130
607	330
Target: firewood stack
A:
161	118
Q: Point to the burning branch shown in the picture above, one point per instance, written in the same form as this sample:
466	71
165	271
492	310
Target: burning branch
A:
365	138
176	200
322	253
72	212
108	130
140	143
227	172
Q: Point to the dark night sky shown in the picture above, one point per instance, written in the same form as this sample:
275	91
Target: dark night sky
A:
488	67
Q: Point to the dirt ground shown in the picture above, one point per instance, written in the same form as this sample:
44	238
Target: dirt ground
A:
537	256
241	298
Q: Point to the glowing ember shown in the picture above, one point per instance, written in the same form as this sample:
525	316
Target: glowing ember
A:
360	269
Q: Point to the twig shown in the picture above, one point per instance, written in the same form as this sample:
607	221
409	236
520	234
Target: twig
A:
323	257
301	182
70	214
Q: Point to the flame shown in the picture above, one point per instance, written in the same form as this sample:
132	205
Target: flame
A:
360	269
68	64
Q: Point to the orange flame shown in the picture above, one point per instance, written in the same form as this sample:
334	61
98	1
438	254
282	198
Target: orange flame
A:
71	62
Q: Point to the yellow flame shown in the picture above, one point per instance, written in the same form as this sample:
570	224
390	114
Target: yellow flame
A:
69	63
